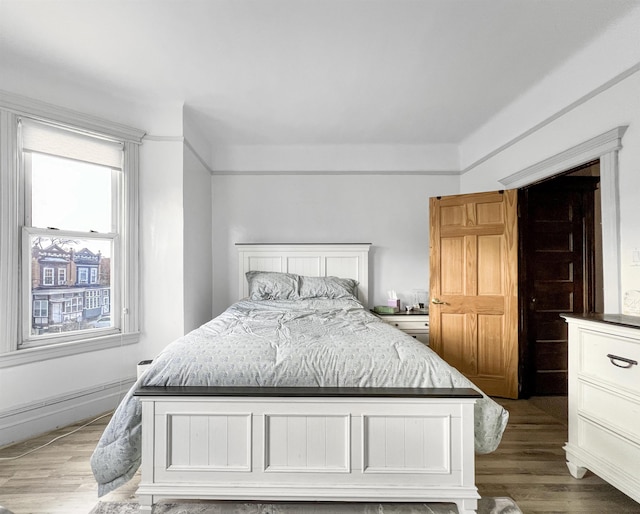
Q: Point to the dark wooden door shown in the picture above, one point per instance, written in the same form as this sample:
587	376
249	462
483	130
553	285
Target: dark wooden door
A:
557	274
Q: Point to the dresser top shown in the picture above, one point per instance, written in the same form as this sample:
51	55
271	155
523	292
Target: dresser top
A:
612	319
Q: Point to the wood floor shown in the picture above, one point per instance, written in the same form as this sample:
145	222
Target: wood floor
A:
528	466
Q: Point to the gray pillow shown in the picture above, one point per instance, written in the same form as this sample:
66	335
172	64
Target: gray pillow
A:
328	287
271	285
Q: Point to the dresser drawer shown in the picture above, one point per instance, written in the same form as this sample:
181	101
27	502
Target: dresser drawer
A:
594	348
611	410
609	447
415	325
409	325
420	335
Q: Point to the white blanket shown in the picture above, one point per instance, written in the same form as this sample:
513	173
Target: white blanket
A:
315	342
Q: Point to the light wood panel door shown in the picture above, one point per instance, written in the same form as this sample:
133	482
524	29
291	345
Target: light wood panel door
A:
474	287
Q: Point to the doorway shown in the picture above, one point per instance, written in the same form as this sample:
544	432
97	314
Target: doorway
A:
560	271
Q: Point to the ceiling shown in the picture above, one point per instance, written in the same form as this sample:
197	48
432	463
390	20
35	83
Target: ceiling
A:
309	72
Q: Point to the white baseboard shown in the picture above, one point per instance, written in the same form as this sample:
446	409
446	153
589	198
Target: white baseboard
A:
39	417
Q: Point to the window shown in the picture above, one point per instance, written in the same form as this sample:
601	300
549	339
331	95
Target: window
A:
47	276
91	300
68	238
82	276
71	185
41	308
62	276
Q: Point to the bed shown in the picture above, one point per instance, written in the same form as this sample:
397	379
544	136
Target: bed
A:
298	392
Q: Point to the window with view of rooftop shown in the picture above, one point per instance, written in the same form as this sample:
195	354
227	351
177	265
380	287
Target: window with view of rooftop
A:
68	233
70	227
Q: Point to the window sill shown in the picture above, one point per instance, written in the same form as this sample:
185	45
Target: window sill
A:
54	351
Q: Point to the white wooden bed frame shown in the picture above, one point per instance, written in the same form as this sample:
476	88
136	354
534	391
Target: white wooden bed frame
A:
308	444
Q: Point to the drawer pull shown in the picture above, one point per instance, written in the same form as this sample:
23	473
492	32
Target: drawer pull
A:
628	362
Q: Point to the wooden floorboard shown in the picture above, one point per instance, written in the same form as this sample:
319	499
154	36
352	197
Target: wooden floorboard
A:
529	466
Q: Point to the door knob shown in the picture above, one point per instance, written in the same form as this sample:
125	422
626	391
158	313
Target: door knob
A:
437	301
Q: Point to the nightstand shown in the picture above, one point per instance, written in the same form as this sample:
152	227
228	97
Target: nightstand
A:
142	367
414	323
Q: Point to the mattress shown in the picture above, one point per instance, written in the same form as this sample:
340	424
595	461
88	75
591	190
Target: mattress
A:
293	343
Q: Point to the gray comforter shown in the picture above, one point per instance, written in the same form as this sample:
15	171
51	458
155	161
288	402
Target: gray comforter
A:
315	342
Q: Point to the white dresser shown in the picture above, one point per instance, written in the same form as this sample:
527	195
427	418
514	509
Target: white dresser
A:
604	399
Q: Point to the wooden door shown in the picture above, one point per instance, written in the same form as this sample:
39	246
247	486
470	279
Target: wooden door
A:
558	269
473	314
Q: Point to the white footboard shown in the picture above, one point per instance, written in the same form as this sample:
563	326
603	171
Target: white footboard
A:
308	444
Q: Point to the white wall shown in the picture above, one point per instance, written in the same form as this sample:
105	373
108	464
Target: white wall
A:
391	212
594	92
161	252
616	106
39	396
613	54
197	226
338	158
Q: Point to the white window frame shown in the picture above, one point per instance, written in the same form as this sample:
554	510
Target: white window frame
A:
62	276
12	107
92	299
83	275
46	303
48	276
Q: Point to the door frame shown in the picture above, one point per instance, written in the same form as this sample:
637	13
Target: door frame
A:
604	147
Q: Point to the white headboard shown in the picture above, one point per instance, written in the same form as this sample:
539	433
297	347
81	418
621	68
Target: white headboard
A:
345	260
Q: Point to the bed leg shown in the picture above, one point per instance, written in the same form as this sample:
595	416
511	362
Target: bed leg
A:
467	506
146	503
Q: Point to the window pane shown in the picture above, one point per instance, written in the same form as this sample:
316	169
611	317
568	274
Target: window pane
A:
70	284
70	195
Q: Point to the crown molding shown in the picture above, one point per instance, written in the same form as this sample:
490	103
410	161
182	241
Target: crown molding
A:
547	121
389	173
41	110
563	161
162	139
